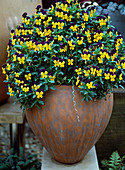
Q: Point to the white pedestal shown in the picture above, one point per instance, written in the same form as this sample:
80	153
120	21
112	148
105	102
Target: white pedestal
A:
88	163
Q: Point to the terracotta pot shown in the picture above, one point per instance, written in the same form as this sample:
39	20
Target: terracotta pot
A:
10	15
58	129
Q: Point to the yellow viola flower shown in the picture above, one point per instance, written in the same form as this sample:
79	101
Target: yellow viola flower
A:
27	21
35	87
56	63
39	94
89	85
112	70
83	25
69	1
54	24
91	13
24	32
72	47
70	61
74	28
123	65
60	37
42	16
16	74
38	21
8	67
86	73
85	17
99	72
93	71
85	56
78	71
102	22
28	76
80	42
112	77
69	18
62	64
52	77
44	74
100	60
107	76
26	89
120	76
10	91
3	70
78	14
77	82
17	32
7	77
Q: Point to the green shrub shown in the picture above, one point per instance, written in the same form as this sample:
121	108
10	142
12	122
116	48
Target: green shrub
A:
15	162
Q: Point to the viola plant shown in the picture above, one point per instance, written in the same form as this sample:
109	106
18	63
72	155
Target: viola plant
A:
64	45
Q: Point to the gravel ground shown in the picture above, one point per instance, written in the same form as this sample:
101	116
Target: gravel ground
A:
32	144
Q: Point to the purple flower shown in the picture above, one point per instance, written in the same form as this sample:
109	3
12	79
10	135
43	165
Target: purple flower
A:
24	15
99	44
50	74
42	70
43	11
81	79
113	52
39	90
95	67
55	58
61	60
96	85
87	81
108	30
12	31
38	7
14	37
100	17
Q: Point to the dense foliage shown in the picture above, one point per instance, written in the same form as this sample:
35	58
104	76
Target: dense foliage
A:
15	162
66	44
115	162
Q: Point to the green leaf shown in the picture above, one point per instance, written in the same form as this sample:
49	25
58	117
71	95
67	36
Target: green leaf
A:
3	167
18	168
121	86
46	87
41	102
52	88
20	163
21	152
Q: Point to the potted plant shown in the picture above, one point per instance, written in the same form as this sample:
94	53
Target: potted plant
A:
62	65
9	19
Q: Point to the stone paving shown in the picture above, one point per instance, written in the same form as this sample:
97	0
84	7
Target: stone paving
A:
32	144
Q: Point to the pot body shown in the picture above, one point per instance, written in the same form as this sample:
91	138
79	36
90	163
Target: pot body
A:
58	129
10	15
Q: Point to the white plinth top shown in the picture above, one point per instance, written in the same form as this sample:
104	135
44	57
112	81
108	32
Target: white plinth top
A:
88	163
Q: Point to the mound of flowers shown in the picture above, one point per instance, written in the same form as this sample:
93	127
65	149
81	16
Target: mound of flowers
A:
65	44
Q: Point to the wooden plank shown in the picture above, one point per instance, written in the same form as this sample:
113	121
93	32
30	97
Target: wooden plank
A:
10	113
114	136
119	90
